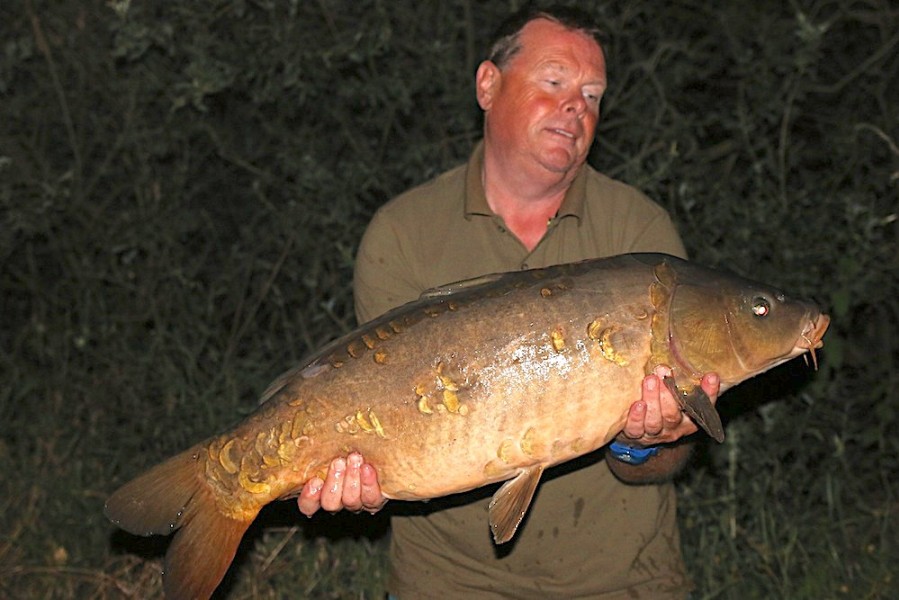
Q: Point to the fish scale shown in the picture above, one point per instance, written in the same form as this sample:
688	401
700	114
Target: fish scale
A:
495	379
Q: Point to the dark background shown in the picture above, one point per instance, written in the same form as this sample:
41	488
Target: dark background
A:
183	186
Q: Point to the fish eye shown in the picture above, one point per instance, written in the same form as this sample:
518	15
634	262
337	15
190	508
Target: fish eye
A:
761	307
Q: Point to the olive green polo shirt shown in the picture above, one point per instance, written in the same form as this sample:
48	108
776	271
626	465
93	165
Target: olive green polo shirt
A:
586	533
444	231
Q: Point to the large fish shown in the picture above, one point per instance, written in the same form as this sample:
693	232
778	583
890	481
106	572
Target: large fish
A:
486	381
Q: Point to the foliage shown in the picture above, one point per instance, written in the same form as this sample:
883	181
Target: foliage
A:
183	185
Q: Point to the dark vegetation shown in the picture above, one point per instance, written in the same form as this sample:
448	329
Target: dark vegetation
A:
183	185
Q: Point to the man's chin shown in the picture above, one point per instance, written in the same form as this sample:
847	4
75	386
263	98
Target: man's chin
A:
559	162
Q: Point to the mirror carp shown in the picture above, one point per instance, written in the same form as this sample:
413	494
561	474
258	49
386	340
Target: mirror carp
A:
485	381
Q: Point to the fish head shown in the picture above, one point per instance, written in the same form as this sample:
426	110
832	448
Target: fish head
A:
736	327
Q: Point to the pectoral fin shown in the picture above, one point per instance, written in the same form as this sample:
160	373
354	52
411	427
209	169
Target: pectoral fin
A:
698	407
510	503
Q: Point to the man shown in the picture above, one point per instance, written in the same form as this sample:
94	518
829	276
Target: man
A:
527	199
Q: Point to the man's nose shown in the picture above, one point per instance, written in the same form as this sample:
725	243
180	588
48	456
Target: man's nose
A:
575	103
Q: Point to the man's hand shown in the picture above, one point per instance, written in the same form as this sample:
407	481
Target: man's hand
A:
657	418
351	483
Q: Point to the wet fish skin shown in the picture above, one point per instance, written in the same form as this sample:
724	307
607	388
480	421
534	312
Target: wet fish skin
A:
486	381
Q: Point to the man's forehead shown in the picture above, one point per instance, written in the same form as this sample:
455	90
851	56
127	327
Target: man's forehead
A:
542	37
559	50
544	28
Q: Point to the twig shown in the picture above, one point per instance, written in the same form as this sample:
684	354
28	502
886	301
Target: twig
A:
783	142
266	287
884	51
879	133
44	47
274	553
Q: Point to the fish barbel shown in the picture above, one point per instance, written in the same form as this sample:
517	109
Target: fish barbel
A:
484	381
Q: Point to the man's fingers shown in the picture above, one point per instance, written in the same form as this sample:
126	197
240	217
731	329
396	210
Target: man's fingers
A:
653	422
633	427
657	417
350	484
711	385
310	497
372	498
352	487
332	492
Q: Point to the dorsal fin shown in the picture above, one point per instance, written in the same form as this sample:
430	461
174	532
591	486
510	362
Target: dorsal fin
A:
458	286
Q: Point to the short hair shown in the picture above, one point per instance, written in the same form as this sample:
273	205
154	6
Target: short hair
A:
505	43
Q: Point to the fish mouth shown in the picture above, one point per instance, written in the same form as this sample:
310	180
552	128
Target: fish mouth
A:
810	339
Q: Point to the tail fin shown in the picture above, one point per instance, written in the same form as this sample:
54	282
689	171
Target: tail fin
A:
174	496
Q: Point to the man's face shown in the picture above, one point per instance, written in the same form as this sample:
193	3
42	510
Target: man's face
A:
543	106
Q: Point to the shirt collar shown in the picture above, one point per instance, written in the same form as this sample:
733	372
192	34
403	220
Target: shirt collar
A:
476	198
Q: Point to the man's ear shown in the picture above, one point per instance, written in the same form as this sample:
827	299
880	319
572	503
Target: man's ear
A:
487	83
